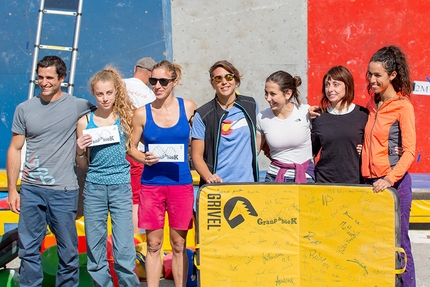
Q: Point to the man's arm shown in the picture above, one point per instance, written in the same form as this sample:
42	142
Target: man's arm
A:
82	143
13	165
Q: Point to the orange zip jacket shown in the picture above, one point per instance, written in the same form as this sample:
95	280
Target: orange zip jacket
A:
393	124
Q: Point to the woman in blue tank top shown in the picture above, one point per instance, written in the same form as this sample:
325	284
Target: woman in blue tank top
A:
104	136
164	128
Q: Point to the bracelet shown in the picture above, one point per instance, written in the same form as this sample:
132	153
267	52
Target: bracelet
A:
81	155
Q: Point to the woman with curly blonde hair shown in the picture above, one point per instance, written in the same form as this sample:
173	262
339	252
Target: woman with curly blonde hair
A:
107	186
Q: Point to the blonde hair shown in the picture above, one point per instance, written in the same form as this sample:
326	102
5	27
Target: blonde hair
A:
174	69
123	106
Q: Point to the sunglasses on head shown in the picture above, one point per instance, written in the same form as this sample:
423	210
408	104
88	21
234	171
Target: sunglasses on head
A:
228	77
163	81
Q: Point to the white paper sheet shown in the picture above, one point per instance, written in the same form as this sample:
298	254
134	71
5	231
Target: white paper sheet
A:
103	135
168	152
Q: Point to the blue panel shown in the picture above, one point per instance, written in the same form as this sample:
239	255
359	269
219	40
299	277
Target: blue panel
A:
62	4
112	32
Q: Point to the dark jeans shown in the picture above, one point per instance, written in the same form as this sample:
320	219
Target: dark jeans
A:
57	208
404	189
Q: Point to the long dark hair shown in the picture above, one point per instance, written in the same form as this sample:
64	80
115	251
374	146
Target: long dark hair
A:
393	59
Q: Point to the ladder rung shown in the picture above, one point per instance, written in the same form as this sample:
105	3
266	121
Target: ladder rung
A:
59	12
59	48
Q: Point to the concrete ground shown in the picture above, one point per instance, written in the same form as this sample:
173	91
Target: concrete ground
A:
420	248
421	251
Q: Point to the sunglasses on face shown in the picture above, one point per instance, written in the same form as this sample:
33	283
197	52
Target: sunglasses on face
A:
163	81
228	77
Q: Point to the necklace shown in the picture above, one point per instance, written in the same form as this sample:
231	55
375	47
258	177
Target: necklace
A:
226	105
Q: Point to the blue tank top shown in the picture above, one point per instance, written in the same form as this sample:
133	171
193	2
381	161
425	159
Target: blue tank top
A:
108	164
167	173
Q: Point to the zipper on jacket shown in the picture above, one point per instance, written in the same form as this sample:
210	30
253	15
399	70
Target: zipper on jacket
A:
217	141
371	133
370	143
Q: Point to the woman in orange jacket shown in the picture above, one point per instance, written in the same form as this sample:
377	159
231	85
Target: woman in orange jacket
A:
391	124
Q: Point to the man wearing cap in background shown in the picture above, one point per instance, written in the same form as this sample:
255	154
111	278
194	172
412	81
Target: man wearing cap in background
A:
140	94
137	86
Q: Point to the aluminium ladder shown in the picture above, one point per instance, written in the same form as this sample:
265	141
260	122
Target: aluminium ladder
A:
62	8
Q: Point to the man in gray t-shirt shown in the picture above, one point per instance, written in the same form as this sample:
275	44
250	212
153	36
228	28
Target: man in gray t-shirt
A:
49	187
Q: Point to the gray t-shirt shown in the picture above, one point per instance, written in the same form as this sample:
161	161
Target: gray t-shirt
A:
50	132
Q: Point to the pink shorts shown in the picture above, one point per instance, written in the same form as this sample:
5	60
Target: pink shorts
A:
178	200
136	169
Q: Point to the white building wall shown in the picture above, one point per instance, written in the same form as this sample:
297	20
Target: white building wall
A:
258	36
